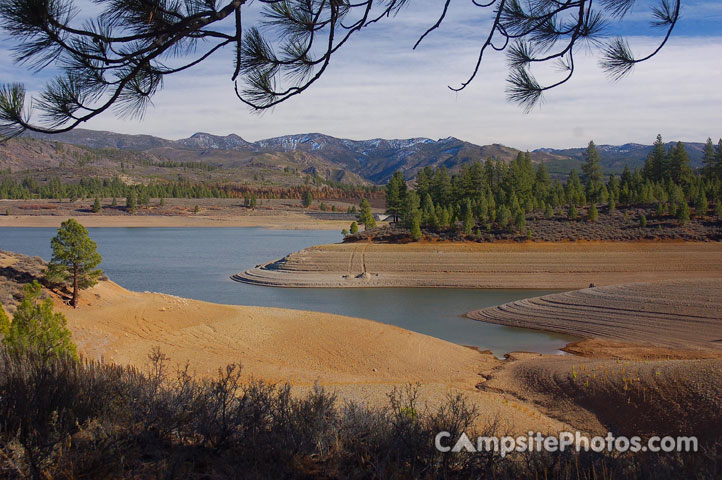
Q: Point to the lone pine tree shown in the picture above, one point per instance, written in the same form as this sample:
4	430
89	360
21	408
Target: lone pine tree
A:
74	259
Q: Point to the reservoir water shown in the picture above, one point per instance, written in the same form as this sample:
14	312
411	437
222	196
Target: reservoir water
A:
197	262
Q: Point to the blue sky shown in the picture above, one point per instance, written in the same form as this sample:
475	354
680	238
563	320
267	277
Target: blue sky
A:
377	86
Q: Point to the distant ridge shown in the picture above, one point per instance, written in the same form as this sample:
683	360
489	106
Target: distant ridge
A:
373	160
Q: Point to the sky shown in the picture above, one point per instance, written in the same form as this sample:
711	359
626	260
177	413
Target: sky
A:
378	87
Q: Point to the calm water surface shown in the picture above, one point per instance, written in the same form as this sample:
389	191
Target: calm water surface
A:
197	262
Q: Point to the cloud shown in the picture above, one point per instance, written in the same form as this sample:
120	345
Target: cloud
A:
378	87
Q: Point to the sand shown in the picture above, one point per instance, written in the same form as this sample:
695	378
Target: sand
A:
289	221
676	314
529	265
358	359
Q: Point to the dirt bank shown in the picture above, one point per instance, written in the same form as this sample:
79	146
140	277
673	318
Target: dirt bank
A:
677	315
562	265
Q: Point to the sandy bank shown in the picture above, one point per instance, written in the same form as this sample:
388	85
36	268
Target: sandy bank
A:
563	265
358	359
272	344
675	314
278	222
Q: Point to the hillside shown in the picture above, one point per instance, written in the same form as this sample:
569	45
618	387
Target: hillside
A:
615	157
289	160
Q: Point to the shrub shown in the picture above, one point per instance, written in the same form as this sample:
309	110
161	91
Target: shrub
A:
36	328
643	221
67	419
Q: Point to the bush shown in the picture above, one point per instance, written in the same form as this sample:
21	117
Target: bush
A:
36	328
643	221
67	419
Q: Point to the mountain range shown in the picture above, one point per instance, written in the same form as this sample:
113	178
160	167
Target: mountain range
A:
288	159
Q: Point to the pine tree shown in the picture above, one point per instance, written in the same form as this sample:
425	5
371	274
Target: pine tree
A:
548	211
395	195
520	220
679	169
709	162
114	202
572	212
657	166
718	210
131	201
592	172
36	328
683	213
196	209
307	199
416	227
365	216
74	259
353	228
643	221
468	219
593	213
700	204
96	208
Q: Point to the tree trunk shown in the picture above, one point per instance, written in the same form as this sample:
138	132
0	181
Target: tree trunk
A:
74	303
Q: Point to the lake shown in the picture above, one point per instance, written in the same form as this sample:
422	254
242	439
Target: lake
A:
197	263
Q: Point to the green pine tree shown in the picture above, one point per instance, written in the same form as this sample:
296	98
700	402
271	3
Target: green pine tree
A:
131	201
548	211
365	217
416	227
683	213
307	199
593	213
354	228
74	259
709	164
38	329
592	172
572	213
96	208
718	210
643	221
700	204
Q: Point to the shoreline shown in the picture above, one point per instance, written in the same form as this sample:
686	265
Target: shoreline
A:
274	222
530	265
673	318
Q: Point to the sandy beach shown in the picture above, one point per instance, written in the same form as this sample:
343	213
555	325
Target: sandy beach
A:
562	265
289	221
677	315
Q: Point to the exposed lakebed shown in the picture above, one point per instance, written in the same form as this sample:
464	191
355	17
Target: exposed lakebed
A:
197	262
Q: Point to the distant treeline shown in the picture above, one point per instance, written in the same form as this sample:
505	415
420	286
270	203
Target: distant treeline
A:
54	188
498	194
